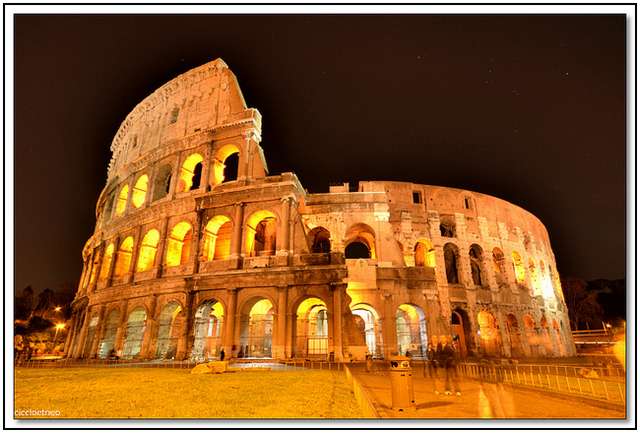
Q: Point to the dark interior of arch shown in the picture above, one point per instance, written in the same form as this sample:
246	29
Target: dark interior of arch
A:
357	250
231	167
197	175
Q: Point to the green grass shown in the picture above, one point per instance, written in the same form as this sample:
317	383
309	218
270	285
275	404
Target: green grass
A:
174	393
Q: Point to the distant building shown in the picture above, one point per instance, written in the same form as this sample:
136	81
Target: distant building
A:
196	248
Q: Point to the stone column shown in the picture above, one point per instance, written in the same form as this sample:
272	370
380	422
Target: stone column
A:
98	333
283	235
162	242
118	343
230	322
337	320
236	240
278	349
82	333
134	254
69	339
504	333
205	184
195	242
388	319
114	258
185	342
150	331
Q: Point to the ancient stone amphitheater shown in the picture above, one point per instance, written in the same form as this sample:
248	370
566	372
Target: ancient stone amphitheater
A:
198	249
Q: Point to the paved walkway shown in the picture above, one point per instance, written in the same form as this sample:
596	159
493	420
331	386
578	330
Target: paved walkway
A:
478	400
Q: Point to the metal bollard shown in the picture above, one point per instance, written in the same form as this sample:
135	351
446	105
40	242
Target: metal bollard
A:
402	396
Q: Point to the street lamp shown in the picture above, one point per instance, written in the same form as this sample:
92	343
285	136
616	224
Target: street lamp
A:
59	327
57	309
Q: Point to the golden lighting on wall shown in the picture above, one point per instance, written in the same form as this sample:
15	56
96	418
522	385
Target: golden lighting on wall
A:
139	192
217	238
187	171
261	308
123	259
106	263
252	224
518	267
178	244
121	204
148	249
219	162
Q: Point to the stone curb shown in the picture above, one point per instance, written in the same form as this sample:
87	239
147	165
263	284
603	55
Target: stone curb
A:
367	403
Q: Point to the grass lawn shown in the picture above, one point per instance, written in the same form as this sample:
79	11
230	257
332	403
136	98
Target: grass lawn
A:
175	393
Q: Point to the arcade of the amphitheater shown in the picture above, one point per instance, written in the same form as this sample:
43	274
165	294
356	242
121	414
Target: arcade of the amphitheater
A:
197	249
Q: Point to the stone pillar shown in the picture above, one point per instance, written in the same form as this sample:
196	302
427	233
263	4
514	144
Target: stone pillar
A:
118	343
206	168
135	253
95	267
195	242
97	336
175	175
68	341
114	259
162	242
230	322
289	344
279	341
150	331
388	319
185	341
283	235
236	240
337	320
504	333
82	333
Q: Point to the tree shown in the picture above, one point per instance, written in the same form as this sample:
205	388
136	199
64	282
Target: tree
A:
23	307
582	303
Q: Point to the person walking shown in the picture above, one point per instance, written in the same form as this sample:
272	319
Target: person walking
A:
221	354
451	375
432	367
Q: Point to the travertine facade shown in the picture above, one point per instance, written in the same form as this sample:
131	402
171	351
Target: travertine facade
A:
197	248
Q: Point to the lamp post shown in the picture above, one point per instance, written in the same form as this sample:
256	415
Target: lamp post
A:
59	327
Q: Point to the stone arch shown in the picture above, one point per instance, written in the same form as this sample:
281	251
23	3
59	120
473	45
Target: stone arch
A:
498	267
447	226
319	239
461	330
109	332
311	328
148	250
518	267
170	323
217	238
451	259
360	242
411	330
226	164
261	230
190	173
106	261
134	334
515	340
476	264
370	326
488	333
162	182
256	327
121	203
123	258
424	253
91	334
531	334
545	336
208	328
533	275
139	192
179	244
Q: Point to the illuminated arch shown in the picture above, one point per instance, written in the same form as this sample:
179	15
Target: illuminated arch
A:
209	318
169	327
121	204
106	262
312	328
424	253
518	267
498	266
220	171
190	173
179	244
475	262
451	256
371	327
109	333
217	238
533	274
256	328
360	234
411	330
261	232
489	334
320	240
134	333
139	192
123	258
148	249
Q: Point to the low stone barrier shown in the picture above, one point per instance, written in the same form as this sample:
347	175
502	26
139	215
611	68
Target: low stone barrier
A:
364	400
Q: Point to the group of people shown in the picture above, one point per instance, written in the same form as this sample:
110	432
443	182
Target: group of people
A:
444	355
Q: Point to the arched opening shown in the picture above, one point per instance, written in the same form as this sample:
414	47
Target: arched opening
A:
545	337
557	335
518	267
370	326
533	274
488	333
475	261
95	266
424	254
461	330
498	267
217	238
226	162
312	329
411	330
532	335
170	323
121	204
134	333
190	173
451	263
513	330
162	182
179	244
123	258
139	192
109	334
447	226
106	262
209	318
320	240
148	249
91	333
256	329
261	233
360	241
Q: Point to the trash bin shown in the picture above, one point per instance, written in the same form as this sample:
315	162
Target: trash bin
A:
402	398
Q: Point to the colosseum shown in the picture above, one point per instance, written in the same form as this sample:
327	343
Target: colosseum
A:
198	249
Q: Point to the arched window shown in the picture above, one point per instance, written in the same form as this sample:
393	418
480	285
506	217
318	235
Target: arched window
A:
121	205
140	191
162	182
475	261
217	238
179	244
447	226
360	242
190	173
123	259
518	267
498	266
424	253
451	263
106	262
148	249
226	162
534	277
320	240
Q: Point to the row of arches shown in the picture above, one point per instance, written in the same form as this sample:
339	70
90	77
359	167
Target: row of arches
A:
224	169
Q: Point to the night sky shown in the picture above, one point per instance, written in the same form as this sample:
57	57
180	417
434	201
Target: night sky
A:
530	109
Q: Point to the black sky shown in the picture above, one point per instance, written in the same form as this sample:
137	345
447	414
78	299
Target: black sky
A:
528	108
